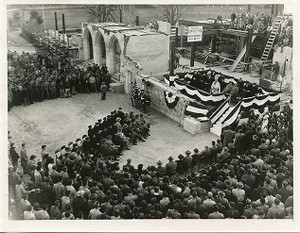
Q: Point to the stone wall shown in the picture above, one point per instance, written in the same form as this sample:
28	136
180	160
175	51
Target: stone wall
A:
150	51
156	91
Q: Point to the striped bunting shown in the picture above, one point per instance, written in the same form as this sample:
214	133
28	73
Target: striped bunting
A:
261	100
171	99
233	115
169	80
195	110
215	116
197	94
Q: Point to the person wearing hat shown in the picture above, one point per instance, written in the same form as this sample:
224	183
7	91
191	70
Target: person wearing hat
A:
160	168
195	157
14	156
171	167
187	163
180	169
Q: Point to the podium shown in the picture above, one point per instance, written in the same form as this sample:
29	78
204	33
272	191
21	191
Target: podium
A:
195	126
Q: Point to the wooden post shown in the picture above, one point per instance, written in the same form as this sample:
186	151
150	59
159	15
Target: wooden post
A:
137	22
176	37
121	16
64	28
182	28
56	29
172	59
228	42
248	47
214	43
192	54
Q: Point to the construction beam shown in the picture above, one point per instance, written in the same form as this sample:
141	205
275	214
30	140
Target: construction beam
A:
234	32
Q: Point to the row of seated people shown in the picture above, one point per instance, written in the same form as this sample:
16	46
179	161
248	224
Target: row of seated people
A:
251	177
203	81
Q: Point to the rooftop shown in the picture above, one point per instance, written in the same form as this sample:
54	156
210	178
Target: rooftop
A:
127	30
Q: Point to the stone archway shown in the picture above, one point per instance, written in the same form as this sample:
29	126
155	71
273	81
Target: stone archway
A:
99	49
114	55
88	45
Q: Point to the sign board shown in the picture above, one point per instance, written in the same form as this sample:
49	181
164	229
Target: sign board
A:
194	33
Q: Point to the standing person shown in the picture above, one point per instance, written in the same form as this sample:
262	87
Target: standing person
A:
103	91
233	17
24	159
146	103
215	86
52	88
61	89
13	155
43	154
107	80
92	80
275	72
67	88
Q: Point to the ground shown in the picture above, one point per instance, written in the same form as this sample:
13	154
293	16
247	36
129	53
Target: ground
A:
57	122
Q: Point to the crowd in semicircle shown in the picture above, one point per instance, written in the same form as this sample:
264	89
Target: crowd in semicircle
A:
249	176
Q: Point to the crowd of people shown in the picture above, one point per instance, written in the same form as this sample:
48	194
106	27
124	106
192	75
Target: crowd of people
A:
140	99
37	77
249	175
83	161
217	83
260	22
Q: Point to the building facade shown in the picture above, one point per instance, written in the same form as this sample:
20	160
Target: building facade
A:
126	51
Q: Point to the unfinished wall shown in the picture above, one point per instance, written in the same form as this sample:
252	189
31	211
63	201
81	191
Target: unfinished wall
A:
150	51
156	90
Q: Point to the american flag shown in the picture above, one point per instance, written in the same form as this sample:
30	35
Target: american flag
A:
208	53
134	90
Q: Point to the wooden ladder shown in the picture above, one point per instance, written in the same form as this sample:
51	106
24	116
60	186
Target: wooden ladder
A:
271	39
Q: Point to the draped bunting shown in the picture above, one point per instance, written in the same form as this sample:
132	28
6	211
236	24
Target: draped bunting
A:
169	80
195	110
171	99
197	94
261	100
233	115
215	116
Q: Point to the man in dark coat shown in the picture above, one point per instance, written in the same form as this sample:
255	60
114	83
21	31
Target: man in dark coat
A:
103	91
14	155
80	205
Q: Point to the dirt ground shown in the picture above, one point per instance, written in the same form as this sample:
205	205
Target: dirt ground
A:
57	122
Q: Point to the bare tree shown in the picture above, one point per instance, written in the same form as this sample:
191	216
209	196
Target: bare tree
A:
171	13
101	13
